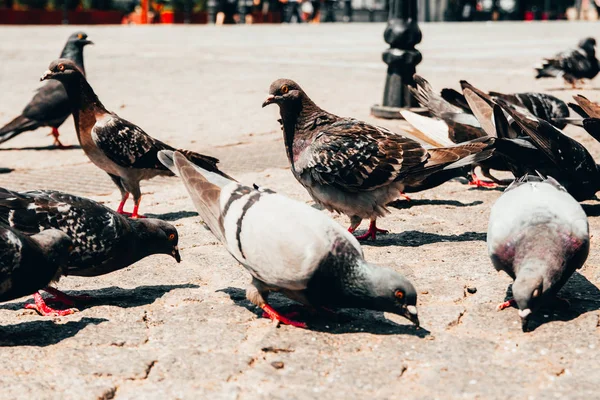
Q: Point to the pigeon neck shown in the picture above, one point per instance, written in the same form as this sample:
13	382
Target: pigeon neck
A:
298	123
82	97
74	53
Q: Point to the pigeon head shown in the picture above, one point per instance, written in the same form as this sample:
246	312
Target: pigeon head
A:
528	290
79	39
284	91
588	44
62	70
55	244
391	292
157	237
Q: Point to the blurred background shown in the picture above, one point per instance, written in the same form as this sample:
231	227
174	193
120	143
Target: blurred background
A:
282	11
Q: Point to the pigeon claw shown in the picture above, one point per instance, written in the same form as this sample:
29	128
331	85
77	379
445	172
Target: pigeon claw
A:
66	299
43	309
506	304
372	232
475	181
57	142
269	312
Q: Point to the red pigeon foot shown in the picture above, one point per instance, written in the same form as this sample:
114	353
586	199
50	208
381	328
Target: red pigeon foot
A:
275	316
57	142
405	196
475	181
506	304
66	299
43	309
372	232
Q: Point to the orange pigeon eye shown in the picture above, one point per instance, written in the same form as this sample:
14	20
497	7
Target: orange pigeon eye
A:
171	236
284	89
61	67
80	36
399	294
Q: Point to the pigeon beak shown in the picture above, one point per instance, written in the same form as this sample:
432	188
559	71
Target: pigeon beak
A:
411	313
86	42
269	100
47	75
175	254
524	314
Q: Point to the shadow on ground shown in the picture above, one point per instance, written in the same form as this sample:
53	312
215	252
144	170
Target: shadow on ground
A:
50	147
403	204
42	333
417	239
346	321
173	216
579	296
115	296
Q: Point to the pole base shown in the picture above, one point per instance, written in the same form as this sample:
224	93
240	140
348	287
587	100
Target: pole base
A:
387	112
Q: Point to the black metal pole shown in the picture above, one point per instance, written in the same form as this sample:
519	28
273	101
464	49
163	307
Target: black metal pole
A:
402	34
65	12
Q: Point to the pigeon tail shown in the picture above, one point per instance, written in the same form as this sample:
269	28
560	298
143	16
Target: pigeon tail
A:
206	163
215	176
15	127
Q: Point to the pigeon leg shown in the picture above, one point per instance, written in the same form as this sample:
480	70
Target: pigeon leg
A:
57	142
354	223
122	205
43	309
405	196
66	299
372	231
475	181
506	304
136	208
275	316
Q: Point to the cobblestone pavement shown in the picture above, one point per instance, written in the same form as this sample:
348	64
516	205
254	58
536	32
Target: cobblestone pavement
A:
159	330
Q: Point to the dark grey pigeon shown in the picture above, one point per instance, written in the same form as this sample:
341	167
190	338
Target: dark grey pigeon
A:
573	64
118	147
355	168
29	263
50	105
289	247
538	234
103	241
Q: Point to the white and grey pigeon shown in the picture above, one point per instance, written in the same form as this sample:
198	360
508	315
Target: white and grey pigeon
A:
29	263
118	147
538	234
289	247
354	168
103	240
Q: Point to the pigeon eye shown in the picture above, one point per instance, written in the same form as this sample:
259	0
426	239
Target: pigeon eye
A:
80	36
61	67
284	89
399	294
171	236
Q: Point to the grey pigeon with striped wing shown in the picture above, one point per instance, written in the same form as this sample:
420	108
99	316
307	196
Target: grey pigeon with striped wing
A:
290	247
118	147
50	105
538	234
29	263
103	240
354	168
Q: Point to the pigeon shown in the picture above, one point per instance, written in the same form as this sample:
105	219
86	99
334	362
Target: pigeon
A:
118	147
50	105
103	241
538	234
289	247
573	64
542	105
355	168
29	263
574	166
590	111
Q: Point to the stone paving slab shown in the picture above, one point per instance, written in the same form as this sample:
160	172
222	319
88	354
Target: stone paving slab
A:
160	330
